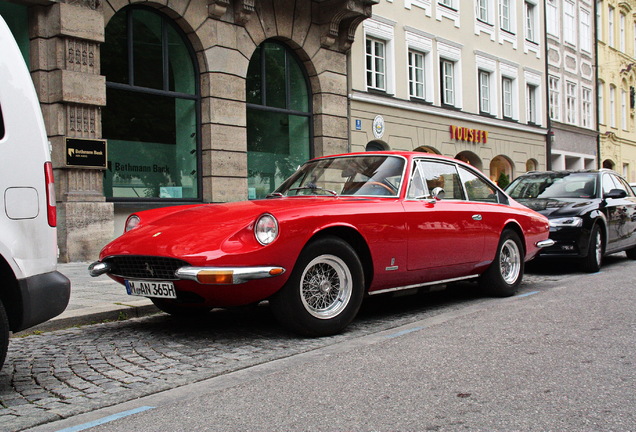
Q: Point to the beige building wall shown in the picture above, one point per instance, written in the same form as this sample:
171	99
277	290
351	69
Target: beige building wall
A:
617	80
455	34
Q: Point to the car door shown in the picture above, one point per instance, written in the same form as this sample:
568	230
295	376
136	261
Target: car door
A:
621	213
444	232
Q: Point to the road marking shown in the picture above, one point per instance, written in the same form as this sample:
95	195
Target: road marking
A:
528	294
403	332
103	420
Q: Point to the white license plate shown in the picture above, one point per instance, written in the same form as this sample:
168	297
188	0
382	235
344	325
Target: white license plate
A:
150	289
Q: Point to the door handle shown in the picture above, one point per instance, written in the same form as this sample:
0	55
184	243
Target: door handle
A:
477	217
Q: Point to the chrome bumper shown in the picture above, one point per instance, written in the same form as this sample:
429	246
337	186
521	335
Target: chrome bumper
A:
208	275
545	243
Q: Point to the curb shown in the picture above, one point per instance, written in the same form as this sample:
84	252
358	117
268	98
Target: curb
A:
93	315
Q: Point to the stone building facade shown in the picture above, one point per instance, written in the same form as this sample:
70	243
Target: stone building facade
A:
192	100
465	79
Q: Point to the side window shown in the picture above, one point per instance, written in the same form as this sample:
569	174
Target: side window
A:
1	124
620	184
429	175
608	183
477	188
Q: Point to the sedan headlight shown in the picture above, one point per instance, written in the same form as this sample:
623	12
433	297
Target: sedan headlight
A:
571	222
132	222
266	229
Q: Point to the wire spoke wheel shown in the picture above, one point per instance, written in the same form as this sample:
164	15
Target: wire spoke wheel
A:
510	261
326	286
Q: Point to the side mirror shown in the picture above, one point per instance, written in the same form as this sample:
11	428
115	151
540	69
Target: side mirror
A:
438	193
615	194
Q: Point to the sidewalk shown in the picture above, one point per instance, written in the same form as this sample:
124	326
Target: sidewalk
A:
94	300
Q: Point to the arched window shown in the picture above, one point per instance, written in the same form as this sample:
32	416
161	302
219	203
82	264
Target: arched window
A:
152	116
279	120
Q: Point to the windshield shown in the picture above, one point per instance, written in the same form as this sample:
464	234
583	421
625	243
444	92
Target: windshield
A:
554	185
373	175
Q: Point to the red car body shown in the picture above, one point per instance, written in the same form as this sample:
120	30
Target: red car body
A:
401	242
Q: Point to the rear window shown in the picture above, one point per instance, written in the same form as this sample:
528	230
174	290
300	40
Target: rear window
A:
1	124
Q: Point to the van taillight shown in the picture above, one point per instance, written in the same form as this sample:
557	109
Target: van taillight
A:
51	212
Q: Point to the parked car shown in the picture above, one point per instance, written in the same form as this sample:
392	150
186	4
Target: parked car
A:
633	186
338	229
592	213
32	291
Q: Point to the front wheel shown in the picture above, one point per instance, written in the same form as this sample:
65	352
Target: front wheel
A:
592	262
505	273
325	290
4	334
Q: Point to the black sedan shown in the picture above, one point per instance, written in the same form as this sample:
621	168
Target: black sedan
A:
592	213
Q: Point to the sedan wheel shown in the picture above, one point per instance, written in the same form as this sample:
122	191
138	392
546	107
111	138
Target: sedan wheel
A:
504	275
325	290
4	334
592	262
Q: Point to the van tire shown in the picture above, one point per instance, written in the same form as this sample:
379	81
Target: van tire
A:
4	334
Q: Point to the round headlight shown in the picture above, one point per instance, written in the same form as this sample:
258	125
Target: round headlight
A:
132	222
266	229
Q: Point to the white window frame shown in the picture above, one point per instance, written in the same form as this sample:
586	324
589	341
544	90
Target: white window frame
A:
484	82
447	82
530	12
554	85
569	22
417	74
418	42
506	17
612	102
585	34
449	53
552	17
482	11
586	107
375	74
601	101
571	104
610	26
531	106
599	22
507	93
621	31
623	109
383	32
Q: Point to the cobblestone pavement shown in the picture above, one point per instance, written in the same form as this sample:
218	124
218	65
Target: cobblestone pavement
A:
62	373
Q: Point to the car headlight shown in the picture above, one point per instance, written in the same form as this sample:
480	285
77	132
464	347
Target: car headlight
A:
266	229
572	222
132	222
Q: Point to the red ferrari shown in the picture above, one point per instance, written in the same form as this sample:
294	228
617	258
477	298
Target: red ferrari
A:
339	229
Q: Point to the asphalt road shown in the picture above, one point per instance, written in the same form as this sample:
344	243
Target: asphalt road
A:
559	356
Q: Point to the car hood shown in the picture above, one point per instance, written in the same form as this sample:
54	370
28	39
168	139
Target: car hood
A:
207	231
560	207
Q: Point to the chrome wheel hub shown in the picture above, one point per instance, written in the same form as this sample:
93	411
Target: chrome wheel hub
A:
326	286
510	262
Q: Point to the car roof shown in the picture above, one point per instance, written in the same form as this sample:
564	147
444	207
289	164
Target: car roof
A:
406	154
590	171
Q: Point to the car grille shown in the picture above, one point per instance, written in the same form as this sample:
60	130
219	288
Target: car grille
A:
144	267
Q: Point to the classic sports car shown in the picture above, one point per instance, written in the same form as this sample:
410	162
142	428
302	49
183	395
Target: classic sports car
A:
340	228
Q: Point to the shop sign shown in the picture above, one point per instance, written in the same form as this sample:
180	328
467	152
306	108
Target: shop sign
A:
85	153
466	134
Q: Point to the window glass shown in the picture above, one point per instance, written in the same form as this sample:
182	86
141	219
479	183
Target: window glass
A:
151	124
436	175
477	189
278	118
620	185
608	183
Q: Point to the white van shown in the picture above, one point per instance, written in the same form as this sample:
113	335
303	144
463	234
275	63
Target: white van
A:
32	291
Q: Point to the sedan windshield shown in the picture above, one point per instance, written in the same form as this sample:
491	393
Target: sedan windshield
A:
554	185
373	175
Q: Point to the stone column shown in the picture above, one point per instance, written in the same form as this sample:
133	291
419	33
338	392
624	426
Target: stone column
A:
65	61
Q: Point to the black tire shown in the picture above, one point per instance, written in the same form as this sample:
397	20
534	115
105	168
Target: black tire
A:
180	311
503	277
594	259
4	334
631	253
324	291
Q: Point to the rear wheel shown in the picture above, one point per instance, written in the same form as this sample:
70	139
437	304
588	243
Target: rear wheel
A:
325	290
504	275
631	253
592	262
4	334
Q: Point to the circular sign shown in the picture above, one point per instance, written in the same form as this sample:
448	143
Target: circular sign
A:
378	126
